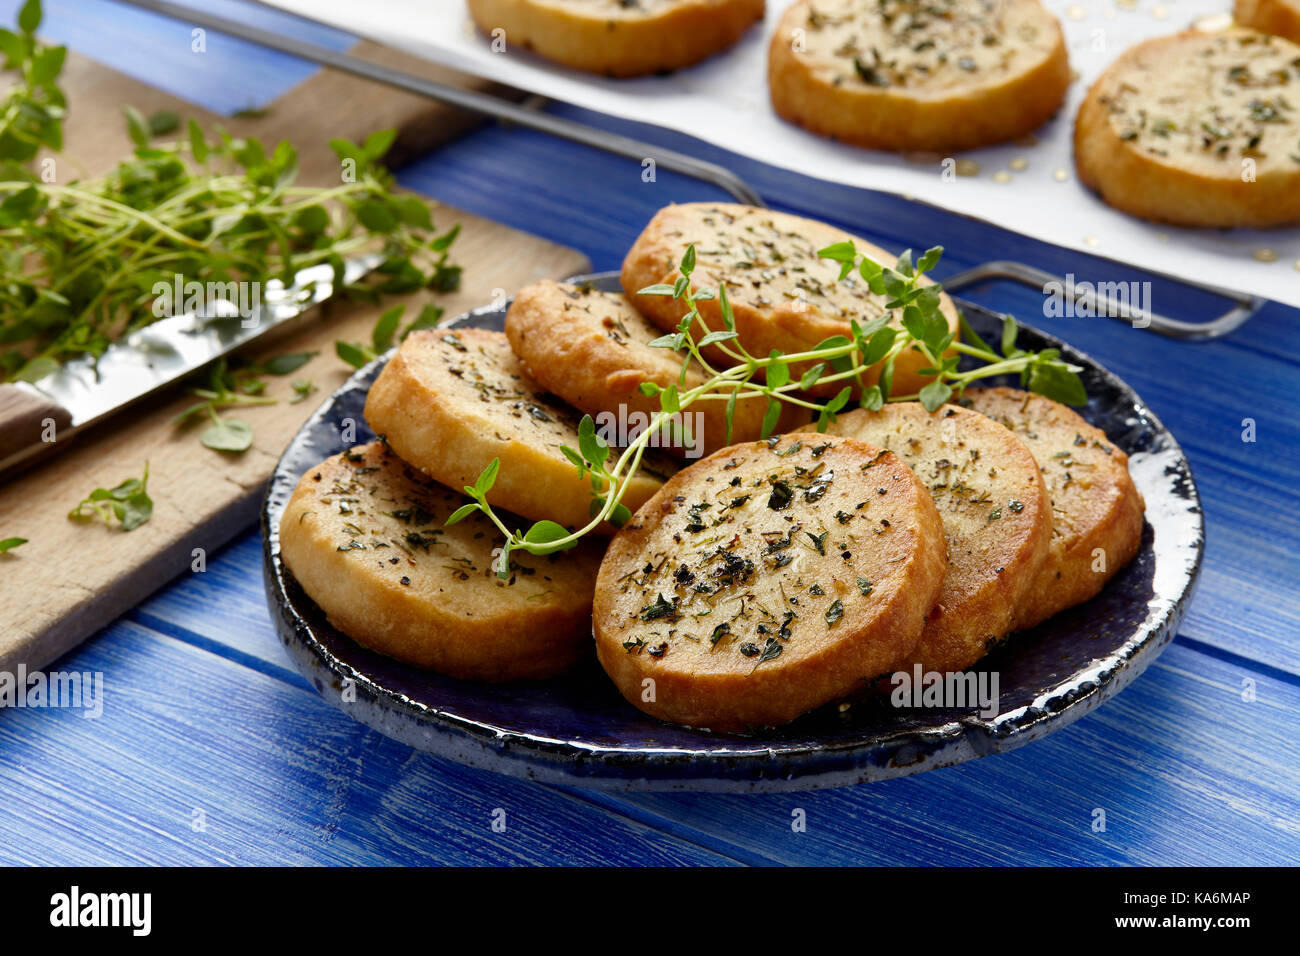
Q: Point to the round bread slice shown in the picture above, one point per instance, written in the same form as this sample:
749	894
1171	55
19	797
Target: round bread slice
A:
1278	17
366	537
766	580
1096	509
783	295
897	74
450	401
1197	129
592	349
619	38
996	517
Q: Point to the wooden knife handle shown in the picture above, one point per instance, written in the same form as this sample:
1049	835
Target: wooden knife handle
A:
28	420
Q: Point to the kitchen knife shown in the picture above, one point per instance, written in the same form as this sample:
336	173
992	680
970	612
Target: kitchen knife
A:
39	416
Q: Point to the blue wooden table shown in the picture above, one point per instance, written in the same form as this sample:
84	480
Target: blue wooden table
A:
211	749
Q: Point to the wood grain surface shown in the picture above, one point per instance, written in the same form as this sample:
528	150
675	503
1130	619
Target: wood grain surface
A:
212	749
72	578
25	417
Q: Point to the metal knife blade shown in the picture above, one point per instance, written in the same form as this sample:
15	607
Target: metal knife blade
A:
166	351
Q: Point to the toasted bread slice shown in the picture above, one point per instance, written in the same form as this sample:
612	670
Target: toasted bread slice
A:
592	349
766	580
619	38
450	401
899	75
996	518
366	537
1278	17
1096	509
783	294
1197	129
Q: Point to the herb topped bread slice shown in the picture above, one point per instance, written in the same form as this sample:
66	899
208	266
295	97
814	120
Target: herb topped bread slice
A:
767	580
1278	17
996	515
1096	509
619	37
1197	129
906	75
366	537
784	296
593	349
450	401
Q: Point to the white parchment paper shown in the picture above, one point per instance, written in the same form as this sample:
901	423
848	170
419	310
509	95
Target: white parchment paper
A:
1029	188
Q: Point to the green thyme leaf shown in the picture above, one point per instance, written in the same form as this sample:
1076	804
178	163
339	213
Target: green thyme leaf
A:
871	399
385	329
136	125
934	395
714	337
970	336
461	513
163	122
1057	383
1010	331
590	444
658	289
355	355
548	533
302	389
486	479
688	261
128	503
289	362
770	417
724	306
810	377
778	372
227	434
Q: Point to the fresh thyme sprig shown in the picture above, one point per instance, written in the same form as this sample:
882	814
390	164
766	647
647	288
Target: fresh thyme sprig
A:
129	503
925	327
32	108
839	359
80	261
227	390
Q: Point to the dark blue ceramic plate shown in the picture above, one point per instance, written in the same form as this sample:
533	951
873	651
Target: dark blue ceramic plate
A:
579	730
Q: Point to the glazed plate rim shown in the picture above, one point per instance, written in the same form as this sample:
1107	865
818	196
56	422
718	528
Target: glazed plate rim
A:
730	762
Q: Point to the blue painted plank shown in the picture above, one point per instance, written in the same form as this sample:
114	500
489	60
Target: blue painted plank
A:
242	630
1185	770
1179	752
226	76
278	776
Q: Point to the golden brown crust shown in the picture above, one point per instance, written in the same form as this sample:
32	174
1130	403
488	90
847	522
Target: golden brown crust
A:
1197	129
996	519
906	76
619	39
783	294
1096	508
366	537
1278	17
812	560
592	349
450	401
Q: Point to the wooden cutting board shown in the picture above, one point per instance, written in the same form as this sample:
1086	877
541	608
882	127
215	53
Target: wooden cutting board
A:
71	578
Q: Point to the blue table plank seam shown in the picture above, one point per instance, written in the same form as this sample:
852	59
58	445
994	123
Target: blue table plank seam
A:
204	714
